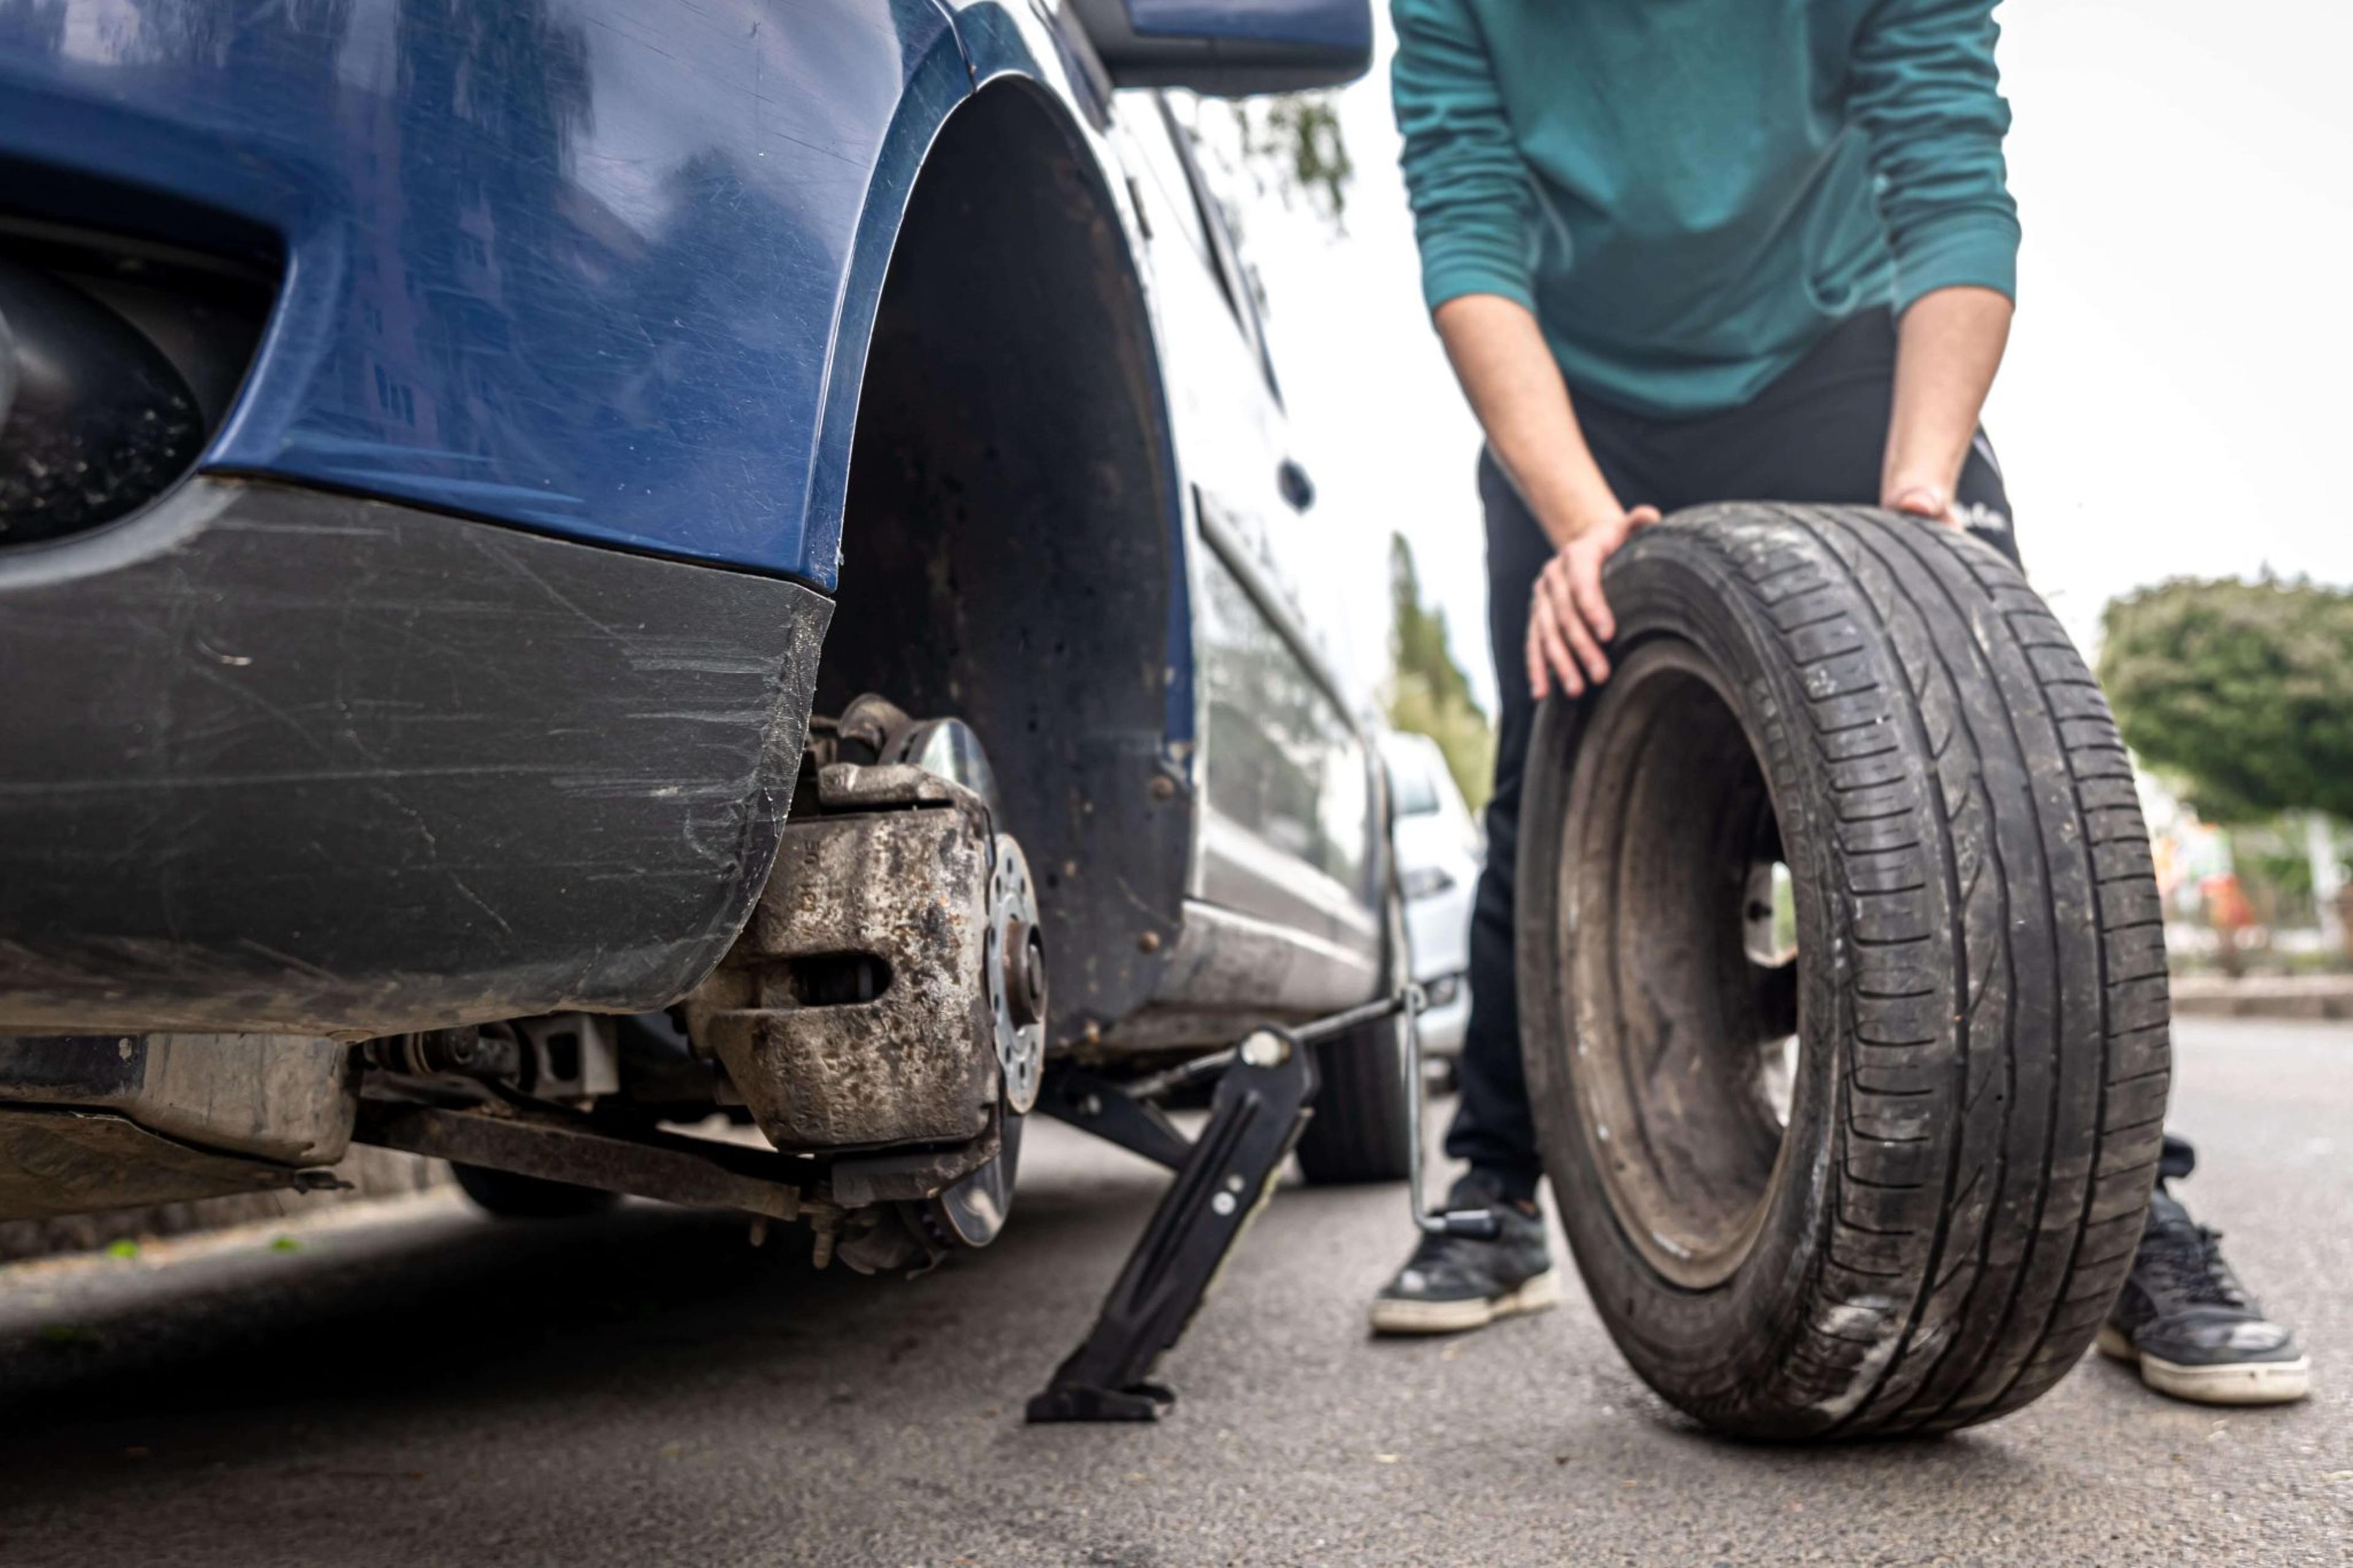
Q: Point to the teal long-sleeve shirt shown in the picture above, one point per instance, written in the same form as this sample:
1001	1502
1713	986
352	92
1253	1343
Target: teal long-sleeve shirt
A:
1689	193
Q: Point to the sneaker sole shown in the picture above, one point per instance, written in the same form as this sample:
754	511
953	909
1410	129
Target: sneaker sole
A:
2246	1383
1396	1317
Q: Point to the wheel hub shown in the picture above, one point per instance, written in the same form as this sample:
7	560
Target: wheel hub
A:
1015	963
1685	1075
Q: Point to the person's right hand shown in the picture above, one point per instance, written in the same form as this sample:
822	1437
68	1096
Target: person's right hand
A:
1569	620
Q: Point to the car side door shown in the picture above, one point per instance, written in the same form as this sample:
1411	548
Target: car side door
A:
1287	826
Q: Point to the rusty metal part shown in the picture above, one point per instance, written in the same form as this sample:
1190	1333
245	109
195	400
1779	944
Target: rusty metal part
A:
873	1240
887	787
463	1053
701	1171
284	1098
872	729
913	1174
58	1161
1024	972
864	731
853	1011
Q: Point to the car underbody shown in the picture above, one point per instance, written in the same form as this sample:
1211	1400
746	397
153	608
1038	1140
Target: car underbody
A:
657	699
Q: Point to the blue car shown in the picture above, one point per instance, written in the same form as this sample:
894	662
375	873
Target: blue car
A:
572	567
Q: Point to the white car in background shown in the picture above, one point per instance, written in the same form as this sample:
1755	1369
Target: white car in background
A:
1439	849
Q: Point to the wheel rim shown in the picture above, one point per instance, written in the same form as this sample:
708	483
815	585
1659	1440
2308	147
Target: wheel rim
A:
1685	1059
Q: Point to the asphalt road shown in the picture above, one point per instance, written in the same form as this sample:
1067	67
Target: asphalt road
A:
412	1385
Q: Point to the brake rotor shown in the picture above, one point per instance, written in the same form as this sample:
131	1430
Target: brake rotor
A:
973	1211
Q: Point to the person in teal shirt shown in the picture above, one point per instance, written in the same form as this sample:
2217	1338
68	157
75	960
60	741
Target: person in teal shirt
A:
1683	251
1689	195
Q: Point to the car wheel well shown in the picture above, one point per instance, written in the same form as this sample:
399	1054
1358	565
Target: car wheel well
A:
1011	533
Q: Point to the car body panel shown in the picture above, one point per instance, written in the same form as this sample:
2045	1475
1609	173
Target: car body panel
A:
553	263
1002	40
346	767
551	269
1287	831
1286	799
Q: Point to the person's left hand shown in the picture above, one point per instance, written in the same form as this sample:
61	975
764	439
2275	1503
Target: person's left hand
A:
1569	620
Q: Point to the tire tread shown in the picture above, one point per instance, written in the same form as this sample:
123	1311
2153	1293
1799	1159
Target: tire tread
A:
2002	956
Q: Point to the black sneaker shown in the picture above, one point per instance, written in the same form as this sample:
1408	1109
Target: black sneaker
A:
2186	1321
1452	1282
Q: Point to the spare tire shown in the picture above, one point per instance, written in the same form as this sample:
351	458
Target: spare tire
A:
1924	1222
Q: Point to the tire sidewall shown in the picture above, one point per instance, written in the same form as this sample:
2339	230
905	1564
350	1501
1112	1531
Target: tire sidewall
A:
1714	1346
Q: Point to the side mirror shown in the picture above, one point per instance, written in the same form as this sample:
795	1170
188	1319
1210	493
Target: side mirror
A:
1230	48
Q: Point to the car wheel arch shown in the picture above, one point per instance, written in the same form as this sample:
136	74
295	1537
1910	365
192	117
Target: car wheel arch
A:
1011	528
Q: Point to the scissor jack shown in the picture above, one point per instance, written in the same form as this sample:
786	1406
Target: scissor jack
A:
1265	1093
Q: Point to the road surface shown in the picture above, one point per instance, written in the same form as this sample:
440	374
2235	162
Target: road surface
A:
411	1385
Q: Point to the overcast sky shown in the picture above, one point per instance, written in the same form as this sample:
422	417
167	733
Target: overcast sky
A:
2174	400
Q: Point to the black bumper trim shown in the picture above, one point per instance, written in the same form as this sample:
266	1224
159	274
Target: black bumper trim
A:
276	759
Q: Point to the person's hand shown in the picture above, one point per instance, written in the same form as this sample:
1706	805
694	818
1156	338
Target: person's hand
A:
1921	499
1567	619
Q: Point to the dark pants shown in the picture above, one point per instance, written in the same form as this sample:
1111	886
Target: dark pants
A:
1816	434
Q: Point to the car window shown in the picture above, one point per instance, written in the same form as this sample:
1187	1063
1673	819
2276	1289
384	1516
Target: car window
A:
1155	142
1288	766
1411	789
1225	257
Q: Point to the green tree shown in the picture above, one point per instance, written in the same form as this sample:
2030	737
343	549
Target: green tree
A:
2243	690
1429	693
1291	144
